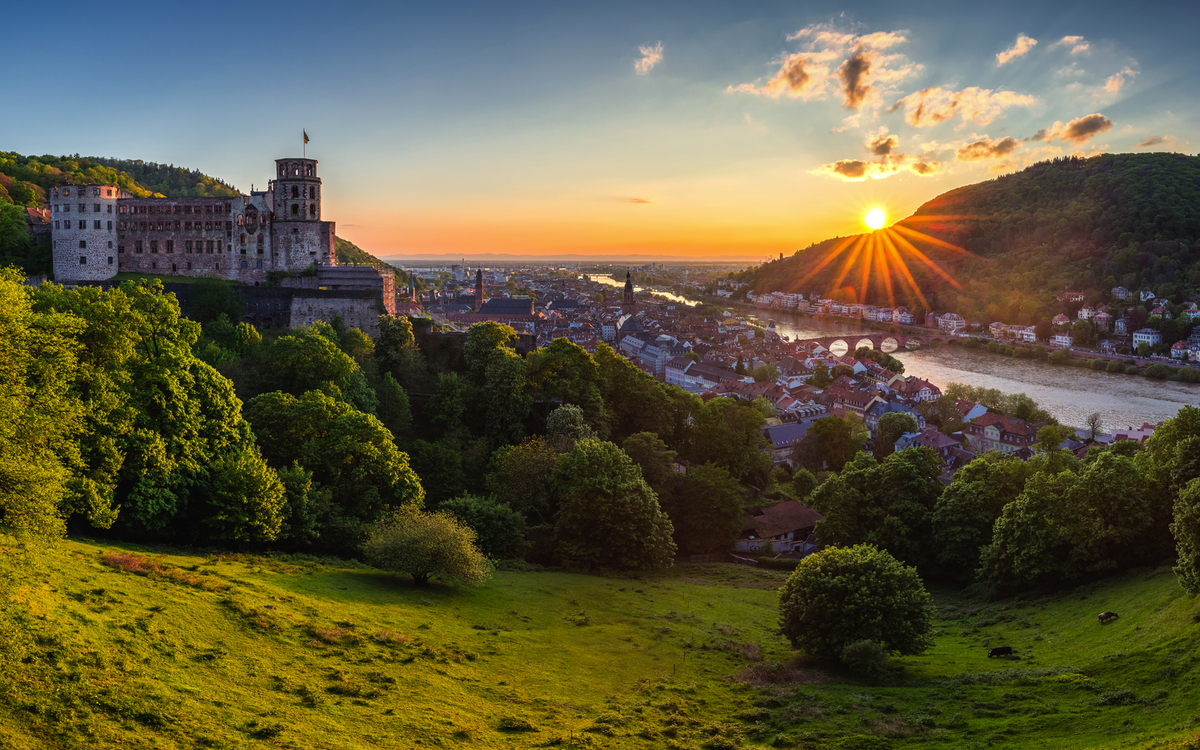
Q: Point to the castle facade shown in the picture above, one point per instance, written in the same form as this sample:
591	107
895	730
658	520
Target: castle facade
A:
100	230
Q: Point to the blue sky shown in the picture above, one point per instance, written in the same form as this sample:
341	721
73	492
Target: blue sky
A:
526	128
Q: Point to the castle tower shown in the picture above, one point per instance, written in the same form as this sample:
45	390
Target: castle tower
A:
85	231
478	290
299	237
627	302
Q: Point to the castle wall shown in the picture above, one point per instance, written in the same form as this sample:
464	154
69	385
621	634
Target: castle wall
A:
85	232
358	309
177	236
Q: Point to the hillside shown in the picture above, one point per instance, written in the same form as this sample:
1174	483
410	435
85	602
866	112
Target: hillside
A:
235	651
1080	224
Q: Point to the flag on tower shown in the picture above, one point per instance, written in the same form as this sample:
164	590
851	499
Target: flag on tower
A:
305	136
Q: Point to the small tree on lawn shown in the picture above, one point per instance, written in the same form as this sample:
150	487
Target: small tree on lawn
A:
427	545
845	595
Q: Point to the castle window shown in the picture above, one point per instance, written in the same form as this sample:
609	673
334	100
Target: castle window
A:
295	192
209	247
95	208
82	260
154	266
174	268
208	209
137	247
82	244
109	208
56	222
243	239
187	209
312	209
110	260
260	264
110	226
170	246
108	193
120	249
295	210
96	224
110	244
82	208
189	266
218	266
260	241
66	192
187	246
177	226
154	246
243	264
312	193
239	220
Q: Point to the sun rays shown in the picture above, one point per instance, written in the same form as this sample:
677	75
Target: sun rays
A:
879	260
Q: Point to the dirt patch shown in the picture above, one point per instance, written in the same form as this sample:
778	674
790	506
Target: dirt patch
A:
795	672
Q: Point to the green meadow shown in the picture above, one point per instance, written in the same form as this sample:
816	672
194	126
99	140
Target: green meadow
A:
115	646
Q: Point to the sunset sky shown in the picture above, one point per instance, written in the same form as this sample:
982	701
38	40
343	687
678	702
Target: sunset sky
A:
665	129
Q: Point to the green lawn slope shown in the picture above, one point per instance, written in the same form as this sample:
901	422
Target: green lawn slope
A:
112	646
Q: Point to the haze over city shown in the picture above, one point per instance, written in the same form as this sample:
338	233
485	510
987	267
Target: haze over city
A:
665	130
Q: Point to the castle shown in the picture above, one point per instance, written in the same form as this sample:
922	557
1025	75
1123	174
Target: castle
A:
100	230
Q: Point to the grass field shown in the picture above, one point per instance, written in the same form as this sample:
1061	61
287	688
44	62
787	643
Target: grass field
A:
107	646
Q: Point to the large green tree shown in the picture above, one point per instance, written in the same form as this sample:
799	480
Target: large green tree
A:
729	434
966	512
831	442
427	545
844	595
609	517
705	508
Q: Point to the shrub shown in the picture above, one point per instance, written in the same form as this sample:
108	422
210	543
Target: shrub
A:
891	606
1115	367
1158	372
1132	370
426	545
865	657
1059	357
499	530
1097	364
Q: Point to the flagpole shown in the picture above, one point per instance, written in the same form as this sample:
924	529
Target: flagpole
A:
304	150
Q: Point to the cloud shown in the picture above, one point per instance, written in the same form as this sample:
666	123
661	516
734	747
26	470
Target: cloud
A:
862	67
639	200
987	148
1115	82
1076	131
1020	47
882	143
651	56
857	170
935	105
1078	44
854	74
1153	140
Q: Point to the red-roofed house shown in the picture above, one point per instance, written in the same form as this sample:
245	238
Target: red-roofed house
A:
994	432
787	525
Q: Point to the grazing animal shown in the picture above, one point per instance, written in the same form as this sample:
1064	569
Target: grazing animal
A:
1106	616
1001	651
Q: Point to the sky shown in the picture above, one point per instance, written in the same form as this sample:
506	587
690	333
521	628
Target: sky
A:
691	129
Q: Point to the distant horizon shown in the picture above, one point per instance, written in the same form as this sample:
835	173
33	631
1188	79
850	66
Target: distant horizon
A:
639	259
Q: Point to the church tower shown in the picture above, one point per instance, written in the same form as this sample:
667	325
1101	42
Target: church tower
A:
478	290
627	302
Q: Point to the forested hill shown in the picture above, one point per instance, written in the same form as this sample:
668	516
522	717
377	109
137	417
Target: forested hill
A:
1068	224
25	179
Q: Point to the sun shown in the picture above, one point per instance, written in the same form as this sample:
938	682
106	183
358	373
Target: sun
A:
875	218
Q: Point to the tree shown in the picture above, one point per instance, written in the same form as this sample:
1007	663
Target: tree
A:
653	457
1043	330
565	373
499	530
305	504
566	426
887	504
765	372
244	501
964	515
831	442
395	337
522	477
305	361
427	545
211	298
483	339
729	434
444	411
636	402
1094	424
842	596
820	377
705	510
1186	528
803	483
40	416
439	465
504	396
394	411
891	427
609	517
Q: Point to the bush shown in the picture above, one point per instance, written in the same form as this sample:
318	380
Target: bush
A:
1158	372
865	657
499	530
1097	364
1059	357
890	605
1115	367
425	545
1132	370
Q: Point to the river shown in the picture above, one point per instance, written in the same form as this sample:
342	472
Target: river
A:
1071	394
600	278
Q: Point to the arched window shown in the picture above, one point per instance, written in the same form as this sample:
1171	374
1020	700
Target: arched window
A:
260	240
243	239
239	220
312	192
312	210
295	192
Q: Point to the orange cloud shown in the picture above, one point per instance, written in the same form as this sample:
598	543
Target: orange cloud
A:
651	56
987	149
935	105
1020	47
882	143
1115	82
857	170
1076	131
1078	44
854	74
